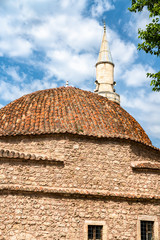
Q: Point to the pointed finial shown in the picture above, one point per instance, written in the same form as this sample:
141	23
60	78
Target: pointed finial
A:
67	83
104	26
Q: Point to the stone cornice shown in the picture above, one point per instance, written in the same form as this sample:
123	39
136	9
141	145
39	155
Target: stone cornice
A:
146	165
78	193
26	156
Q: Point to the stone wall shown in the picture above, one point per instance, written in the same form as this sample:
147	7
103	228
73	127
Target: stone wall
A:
88	164
53	218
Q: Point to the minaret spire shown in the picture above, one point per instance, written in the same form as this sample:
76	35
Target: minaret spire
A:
104	27
105	71
104	53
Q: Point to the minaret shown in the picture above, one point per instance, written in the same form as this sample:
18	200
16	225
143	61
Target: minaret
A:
105	72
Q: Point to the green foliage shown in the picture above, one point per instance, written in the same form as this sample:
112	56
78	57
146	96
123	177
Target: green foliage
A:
151	35
155	81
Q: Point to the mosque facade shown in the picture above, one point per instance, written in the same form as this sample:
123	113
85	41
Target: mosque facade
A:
74	165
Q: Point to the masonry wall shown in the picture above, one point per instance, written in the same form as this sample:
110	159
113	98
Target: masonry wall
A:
51	218
88	164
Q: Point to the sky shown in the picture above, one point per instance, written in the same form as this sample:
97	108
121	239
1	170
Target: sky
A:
44	43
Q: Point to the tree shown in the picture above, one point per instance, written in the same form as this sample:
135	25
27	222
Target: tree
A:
151	35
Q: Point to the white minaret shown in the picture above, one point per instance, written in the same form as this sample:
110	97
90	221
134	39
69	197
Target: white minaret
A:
105	72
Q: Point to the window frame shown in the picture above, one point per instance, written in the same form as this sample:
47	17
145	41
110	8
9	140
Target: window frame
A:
95	223
150	219
147	228
93	229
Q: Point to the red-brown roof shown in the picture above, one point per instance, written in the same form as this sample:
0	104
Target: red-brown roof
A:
69	110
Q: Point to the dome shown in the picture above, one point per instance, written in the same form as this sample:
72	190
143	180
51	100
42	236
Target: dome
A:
69	110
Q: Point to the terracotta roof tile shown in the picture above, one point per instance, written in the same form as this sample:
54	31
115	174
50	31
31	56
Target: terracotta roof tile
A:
69	110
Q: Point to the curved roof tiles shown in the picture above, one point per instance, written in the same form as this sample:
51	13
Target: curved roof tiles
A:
69	110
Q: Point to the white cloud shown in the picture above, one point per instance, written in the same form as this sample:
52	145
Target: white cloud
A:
66	32
17	47
138	101
155	130
137	20
144	106
10	91
32	22
58	31
154	97
37	84
55	30
13	72
123	52
68	42
101	6
44	26
136	75
77	5
76	68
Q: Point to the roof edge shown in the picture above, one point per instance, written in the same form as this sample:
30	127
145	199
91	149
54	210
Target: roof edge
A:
83	135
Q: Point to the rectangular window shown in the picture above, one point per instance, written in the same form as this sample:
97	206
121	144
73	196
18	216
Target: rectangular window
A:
147	230
94	232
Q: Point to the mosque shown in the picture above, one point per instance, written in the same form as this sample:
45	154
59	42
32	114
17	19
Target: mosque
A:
74	165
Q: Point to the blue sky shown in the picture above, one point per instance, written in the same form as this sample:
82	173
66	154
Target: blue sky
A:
44	43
